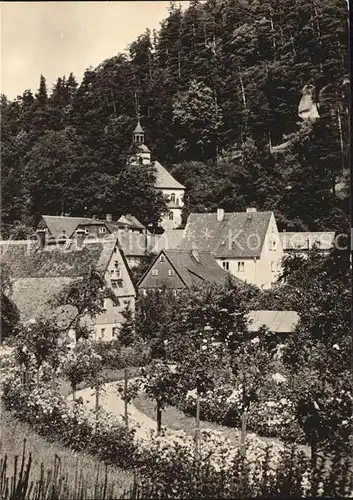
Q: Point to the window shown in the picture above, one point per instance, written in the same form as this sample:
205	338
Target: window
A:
171	216
120	283
272	244
162	259
102	230
172	198
273	266
171	272
115	331
154	272
114	283
102	333
241	266
141	160
225	265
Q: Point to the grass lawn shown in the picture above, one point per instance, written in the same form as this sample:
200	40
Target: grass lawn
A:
13	433
177	420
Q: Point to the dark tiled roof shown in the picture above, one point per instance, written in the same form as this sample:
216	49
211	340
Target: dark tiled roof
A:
130	221
164	180
38	275
275	321
191	270
238	235
27	261
31	295
306	240
58	224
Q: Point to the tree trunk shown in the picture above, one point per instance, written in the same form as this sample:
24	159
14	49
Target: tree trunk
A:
197	430
73	386
126	417
159	417
243	431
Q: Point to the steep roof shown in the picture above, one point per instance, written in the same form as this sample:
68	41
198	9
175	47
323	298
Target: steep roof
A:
238	235
138	128
40	274
306	240
275	321
57	224
130	221
164	180
193	270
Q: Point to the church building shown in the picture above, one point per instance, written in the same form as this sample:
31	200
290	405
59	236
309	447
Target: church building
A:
172	190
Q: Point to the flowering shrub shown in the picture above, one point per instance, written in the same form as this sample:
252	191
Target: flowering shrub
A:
53	417
276	418
223	405
170	469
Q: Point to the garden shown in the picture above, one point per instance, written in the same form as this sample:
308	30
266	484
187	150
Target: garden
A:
249	419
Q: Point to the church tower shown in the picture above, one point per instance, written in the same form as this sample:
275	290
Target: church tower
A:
142	154
171	189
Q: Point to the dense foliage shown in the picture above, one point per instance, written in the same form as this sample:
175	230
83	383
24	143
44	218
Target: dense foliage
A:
216	86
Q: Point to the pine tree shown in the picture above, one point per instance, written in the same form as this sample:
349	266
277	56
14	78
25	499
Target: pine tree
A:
127	333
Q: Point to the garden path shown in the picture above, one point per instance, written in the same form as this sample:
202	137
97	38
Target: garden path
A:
111	401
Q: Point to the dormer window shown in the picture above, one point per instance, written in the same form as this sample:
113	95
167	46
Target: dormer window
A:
172	198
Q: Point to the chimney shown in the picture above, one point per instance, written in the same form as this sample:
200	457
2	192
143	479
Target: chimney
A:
220	214
41	235
109	217
80	236
251	210
195	252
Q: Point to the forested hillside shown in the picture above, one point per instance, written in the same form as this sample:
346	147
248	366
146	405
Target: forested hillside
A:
216	87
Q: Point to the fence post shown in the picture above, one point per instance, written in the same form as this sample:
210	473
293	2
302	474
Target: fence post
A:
197	429
243	432
97	404
126	417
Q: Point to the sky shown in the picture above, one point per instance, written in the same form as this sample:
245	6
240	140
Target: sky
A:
56	38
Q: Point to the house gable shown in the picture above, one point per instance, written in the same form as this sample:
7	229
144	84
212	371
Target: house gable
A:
158	275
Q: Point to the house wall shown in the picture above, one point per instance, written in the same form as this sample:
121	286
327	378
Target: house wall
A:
264	271
249	274
175	208
163	279
118	279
